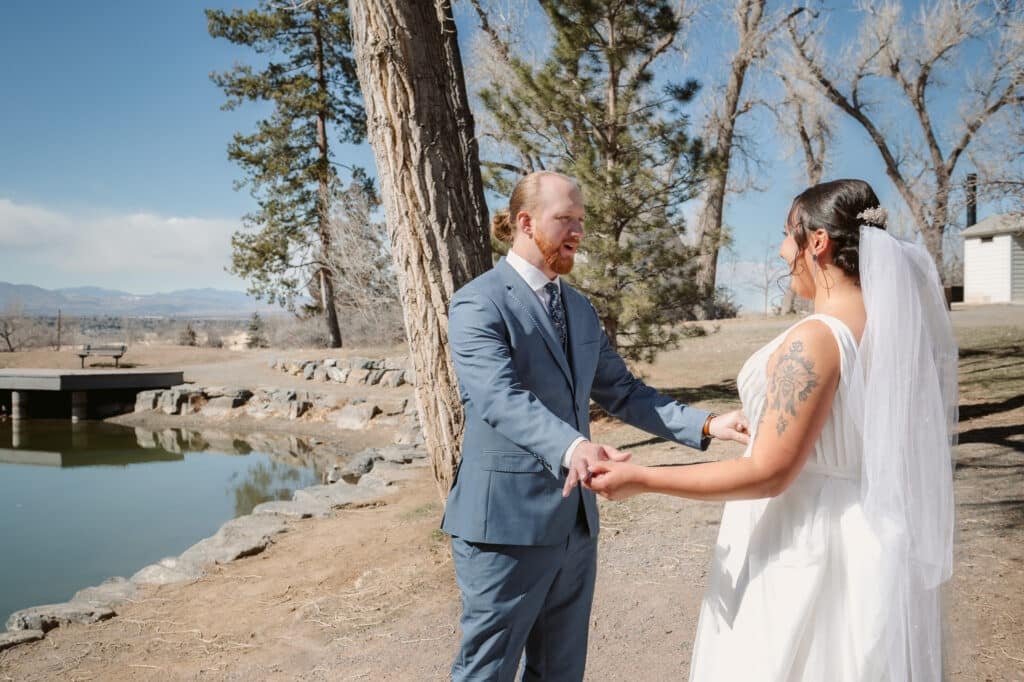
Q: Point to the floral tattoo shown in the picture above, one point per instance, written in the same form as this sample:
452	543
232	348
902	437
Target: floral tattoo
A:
791	383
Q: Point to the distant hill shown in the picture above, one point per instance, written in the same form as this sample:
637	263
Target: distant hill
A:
33	300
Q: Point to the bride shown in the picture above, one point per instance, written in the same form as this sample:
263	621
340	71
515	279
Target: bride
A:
838	531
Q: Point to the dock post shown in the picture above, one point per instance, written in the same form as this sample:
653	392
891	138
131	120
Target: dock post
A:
19	405
78	406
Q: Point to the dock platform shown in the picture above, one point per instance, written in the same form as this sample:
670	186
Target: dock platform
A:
57	392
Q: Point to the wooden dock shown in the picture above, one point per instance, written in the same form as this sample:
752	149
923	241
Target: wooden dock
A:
77	392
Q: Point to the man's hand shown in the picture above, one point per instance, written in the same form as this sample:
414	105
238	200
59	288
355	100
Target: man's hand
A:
730	426
584	456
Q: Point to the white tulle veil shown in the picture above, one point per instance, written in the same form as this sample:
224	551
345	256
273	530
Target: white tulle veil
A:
907	388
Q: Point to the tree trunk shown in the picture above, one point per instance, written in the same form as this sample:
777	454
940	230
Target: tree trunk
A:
709	233
323	191
421	130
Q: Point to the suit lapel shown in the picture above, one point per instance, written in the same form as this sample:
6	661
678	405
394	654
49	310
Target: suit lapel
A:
526	300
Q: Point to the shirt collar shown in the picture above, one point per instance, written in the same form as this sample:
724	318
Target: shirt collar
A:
535	279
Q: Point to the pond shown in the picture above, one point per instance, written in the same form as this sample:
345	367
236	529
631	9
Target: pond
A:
80	503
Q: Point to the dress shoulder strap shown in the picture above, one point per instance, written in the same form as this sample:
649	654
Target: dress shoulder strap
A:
845	339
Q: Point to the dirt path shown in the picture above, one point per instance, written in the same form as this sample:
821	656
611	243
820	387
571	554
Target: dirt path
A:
370	594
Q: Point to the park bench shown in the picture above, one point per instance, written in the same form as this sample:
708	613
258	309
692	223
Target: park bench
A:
113	350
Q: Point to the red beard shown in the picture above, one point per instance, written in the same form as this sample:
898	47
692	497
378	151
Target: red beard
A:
560	262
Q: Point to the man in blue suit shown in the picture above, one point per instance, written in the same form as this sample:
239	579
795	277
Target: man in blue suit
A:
530	353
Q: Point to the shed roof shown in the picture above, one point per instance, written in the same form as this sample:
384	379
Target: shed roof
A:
994	225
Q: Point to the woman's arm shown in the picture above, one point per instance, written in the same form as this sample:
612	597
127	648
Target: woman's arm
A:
802	378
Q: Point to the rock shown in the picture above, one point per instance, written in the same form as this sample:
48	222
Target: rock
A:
329	402
362	363
410	434
297	408
275	363
399	362
357	376
147	400
109	593
50	616
302	510
338	374
342	494
330	362
357	466
320	374
171	401
167	571
220	407
374	377
393	407
386	473
309	370
356	417
399	454
410	376
238	538
393	378
16	637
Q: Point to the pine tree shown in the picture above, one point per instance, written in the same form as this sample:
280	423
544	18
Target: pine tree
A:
309	76
593	111
255	337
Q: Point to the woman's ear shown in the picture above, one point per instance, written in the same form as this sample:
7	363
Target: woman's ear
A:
820	243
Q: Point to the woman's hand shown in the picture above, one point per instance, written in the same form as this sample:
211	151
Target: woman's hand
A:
616	480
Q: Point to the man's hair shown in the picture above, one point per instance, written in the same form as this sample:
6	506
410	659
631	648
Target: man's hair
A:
524	198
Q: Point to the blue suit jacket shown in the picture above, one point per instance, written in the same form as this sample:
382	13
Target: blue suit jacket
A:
525	402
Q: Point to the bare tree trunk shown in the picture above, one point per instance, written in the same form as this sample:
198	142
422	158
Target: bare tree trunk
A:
421	130
323	195
749	14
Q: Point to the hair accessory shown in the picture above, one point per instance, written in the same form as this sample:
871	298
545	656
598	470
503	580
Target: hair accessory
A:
874	216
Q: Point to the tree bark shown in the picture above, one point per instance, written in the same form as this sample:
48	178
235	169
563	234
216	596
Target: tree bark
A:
323	191
709	223
421	131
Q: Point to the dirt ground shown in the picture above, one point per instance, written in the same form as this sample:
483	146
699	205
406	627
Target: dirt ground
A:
370	592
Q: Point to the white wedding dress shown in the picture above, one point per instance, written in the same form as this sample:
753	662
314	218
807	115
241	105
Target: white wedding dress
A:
793	591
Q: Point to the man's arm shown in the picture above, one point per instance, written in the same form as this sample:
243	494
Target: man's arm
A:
624	396
483	361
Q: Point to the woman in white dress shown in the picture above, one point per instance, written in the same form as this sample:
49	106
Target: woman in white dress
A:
837	533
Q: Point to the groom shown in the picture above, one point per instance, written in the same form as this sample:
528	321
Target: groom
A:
530	353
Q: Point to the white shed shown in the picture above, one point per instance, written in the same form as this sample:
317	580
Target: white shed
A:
994	260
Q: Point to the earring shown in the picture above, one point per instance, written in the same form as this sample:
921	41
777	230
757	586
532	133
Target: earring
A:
814	262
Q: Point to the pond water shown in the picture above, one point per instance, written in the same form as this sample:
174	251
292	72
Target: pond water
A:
81	503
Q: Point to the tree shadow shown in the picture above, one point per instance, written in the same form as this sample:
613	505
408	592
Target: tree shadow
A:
995	435
1007	513
976	410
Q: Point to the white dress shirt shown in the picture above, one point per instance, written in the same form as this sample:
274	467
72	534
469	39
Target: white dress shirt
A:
536	280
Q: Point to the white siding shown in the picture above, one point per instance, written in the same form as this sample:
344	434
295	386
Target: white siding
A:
987	269
1017	269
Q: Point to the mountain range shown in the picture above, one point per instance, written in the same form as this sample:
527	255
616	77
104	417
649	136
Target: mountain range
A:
79	301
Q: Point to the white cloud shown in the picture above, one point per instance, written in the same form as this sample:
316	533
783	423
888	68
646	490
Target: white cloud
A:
138	252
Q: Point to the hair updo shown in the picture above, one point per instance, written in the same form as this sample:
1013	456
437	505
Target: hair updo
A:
839	207
524	198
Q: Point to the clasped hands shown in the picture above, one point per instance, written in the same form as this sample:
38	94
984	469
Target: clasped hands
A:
607	471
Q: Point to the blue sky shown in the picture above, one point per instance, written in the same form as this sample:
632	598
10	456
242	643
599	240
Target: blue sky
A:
114	170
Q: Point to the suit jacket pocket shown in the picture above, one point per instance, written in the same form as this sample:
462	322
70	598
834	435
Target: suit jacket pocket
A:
511	462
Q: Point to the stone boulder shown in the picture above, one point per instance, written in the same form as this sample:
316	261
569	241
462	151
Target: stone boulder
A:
238	538
111	592
356	417
16	637
302	510
50	616
168	571
147	400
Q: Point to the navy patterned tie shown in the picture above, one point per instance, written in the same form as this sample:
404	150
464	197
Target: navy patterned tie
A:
556	311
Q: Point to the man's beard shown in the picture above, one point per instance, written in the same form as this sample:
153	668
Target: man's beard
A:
553	256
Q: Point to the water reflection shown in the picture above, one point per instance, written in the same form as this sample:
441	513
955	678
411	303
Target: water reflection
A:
81	503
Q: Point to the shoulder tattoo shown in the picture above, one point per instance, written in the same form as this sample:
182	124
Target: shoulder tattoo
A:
790	384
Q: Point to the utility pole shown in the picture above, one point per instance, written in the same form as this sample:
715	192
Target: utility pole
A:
58	330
